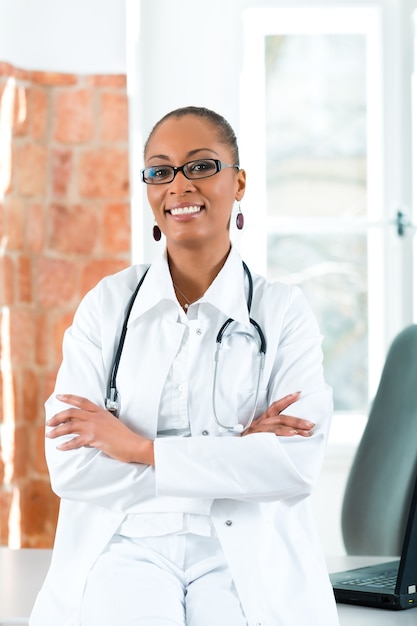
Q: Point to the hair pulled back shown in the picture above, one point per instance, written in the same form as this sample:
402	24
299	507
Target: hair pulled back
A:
225	132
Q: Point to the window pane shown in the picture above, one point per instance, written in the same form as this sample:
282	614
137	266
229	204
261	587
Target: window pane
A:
316	125
332	272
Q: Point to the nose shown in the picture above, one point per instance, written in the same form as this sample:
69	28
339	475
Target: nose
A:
181	184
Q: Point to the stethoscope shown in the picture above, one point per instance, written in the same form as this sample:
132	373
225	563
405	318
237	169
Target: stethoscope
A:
112	395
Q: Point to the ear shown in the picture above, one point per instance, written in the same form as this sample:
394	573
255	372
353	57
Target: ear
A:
240	184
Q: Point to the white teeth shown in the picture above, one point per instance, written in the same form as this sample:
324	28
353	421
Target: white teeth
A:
186	210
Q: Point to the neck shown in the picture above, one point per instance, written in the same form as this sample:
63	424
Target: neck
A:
193	271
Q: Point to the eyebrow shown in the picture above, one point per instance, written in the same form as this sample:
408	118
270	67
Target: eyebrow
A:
191	153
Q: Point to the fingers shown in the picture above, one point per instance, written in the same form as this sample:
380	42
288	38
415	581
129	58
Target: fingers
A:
284	403
78	420
281	425
73	413
275	421
293	423
78	401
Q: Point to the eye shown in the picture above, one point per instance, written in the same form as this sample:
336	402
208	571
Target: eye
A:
159	172
202	167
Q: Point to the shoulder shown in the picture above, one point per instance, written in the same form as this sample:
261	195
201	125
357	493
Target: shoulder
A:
275	293
284	306
118	285
109	298
126	279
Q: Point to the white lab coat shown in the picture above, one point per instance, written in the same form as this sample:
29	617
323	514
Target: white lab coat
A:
260	484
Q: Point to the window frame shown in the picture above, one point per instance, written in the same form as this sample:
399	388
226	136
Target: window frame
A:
390	301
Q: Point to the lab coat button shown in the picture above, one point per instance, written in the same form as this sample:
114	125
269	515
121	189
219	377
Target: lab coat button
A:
228	522
198	331
205	432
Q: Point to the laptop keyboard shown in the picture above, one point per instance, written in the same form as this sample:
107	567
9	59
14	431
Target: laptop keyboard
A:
385	579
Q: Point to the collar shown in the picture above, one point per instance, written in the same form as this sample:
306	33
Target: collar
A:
227	293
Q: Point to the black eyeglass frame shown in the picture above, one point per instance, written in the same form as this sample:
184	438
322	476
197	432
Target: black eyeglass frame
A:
219	167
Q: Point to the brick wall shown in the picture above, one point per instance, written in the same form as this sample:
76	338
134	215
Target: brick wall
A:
64	223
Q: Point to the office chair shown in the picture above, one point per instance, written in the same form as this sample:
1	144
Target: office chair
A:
384	470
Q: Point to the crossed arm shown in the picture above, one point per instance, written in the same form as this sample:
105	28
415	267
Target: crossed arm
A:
95	427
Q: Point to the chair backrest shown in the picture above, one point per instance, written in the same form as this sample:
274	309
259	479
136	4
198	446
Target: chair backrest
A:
384	470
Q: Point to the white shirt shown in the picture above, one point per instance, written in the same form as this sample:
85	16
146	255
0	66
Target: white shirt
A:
257	487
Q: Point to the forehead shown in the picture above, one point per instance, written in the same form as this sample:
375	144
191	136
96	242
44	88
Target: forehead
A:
178	137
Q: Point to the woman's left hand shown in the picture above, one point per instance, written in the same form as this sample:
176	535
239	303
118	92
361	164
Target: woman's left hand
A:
273	420
95	427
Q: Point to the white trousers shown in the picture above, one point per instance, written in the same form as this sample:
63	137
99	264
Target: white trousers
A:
173	580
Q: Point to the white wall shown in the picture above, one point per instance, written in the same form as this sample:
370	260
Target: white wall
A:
74	36
180	56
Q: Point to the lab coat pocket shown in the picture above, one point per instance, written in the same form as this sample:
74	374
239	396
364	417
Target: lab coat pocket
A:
245	404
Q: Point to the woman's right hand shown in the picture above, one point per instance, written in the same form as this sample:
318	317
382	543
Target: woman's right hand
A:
274	421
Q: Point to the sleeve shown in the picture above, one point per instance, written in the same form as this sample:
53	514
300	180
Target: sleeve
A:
261	466
87	474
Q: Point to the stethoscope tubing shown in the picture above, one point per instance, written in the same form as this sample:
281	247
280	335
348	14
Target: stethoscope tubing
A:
112	395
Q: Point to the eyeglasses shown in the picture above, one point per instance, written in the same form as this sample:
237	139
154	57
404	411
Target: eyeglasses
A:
202	168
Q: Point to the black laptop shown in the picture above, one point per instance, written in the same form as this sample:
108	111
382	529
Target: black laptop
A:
391	585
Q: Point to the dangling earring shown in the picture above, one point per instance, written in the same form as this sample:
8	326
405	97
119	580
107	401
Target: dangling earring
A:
240	220
156	232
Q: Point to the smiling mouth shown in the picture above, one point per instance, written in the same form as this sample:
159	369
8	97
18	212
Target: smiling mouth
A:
186	210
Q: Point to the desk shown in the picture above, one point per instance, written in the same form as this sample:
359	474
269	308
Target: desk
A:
22	573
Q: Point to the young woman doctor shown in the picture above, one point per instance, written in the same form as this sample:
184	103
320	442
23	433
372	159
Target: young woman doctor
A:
180	510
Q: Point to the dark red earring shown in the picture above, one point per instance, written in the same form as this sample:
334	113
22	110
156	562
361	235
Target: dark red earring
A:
240	220
156	232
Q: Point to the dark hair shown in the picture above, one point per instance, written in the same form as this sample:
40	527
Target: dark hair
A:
225	131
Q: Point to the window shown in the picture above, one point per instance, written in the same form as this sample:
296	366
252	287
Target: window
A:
327	154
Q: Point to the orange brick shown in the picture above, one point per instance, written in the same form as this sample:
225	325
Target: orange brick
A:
74	116
56	284
9	391
15	228
73	228
7	281
6	69
31	169
97	269
39	509
6	495
39	461
24	278
42	338
30	396
16	412
107	80
38	112
35	227
114	119
22	448
63	322
53	79
104	174
116	228
61	170
21	336
49	382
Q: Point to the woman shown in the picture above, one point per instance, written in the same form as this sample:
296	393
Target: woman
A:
181	511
